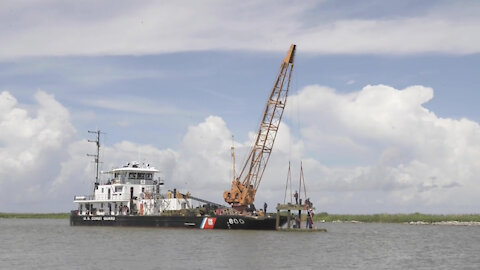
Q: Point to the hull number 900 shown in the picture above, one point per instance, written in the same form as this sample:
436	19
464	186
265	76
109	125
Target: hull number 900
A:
236	221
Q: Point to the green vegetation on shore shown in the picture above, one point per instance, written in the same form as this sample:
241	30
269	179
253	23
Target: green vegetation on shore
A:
35	215
397	218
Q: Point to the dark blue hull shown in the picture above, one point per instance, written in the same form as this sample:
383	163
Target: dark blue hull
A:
238	222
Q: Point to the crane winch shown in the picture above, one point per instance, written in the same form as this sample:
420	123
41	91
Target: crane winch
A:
245	185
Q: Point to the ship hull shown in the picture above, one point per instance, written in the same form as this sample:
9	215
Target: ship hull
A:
238	222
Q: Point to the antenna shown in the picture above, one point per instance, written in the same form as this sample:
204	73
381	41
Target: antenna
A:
97	155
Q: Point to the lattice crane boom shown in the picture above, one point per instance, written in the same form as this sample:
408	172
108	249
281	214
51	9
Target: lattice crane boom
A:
244	187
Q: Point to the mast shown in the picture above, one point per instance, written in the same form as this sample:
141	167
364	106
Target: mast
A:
302	181
289	181
233	158
97	155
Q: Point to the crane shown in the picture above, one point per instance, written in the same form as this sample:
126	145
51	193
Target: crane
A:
245	185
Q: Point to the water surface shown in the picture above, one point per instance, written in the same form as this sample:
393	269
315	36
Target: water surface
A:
53	244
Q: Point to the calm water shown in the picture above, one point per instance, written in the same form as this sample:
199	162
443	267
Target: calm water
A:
53	244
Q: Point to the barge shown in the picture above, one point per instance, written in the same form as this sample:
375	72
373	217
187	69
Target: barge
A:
133	196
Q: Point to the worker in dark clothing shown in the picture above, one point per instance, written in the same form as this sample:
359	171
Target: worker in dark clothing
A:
296	197
308	203
265	208
309	219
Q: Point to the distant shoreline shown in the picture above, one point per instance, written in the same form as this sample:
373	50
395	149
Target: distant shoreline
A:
36	215
414	218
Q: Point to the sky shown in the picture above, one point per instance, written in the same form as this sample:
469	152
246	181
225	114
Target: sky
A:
382	110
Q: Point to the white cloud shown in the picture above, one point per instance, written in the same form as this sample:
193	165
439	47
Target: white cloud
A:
375	150
405	151
31	148
134	105
201	165
392	36
150	27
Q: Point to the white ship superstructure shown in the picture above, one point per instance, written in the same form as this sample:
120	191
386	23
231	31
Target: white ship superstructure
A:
131	190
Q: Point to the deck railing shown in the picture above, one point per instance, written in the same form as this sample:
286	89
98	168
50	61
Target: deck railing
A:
102	197
133	181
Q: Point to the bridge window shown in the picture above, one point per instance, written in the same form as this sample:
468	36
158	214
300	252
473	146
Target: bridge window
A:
132	175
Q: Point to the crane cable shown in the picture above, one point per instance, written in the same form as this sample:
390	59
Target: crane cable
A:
299	131
296	119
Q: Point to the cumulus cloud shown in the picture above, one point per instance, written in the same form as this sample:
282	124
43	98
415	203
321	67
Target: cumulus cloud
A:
31	147
383	140
374	150
43	165
149	27
201	165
